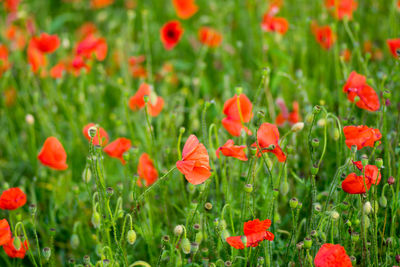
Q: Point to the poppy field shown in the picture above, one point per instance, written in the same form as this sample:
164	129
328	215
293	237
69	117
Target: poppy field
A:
200	133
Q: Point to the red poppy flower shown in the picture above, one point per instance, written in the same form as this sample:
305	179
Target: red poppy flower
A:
394	46
11	5
146	170
100	133
185	8
4	64
155	103
46	43
230	150
234	120
330	255
5	232
12	199
342	8
354	184
356	85
361	136
323	35
53	154
268	140
57	70
292	117
195	161
255	231
92	45
209	37
274	24
96	4
171	33
117	148
12	252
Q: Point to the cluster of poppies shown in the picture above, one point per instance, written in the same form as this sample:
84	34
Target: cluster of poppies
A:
12	199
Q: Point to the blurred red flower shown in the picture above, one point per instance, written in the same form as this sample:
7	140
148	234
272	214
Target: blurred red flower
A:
255	231
230	150
292	117
170	34
268	140
4	64
155	103
341	8
361	136
146	170
234	120
323	35
12	199
117	148
53	154
394	46
356	85
195	161
330	255
12	252
5	232
354	184
209	37
185	8
100	133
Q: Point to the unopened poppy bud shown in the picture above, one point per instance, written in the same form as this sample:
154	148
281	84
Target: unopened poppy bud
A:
367	207
165	239
32	209
398	258
379	163
364	160
336	134
225	234
316	110
96	219
178	230
307	243
314	169
248	188
353	260
194	247
293	202
315	142
191	188
131	237
29	119
109	191
387	94
314	233
300	245
86	260
284	188
391	180
186	246
297	127
74	241
222	225
208	206
92	131
335	215
383	201
17	243
46	253
317	207
199	237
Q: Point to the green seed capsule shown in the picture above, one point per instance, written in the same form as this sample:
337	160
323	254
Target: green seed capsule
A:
131	237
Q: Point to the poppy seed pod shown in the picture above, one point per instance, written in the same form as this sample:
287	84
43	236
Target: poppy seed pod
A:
131	237
248	188
307	243
293	202
46	253
186	246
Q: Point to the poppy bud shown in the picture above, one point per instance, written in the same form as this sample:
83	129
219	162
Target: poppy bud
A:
293	202
383	201
297	127
315	143
199	237
208	206
131	237
96	219
178	230
248	188
379	163
74	241
364	160
307	243
387	94
336	134
92	131
367	207
284	188
86	260
32	209
316	110
186	246
314	169
109	191
391	180
353	260
46	253
165	239
17	243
